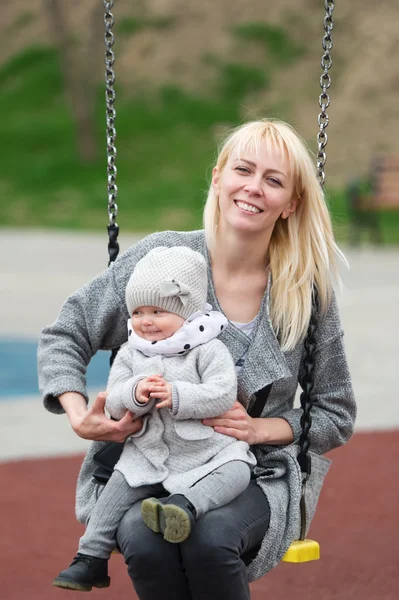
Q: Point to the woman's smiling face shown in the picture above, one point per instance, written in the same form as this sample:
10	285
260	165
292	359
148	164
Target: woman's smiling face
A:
254	189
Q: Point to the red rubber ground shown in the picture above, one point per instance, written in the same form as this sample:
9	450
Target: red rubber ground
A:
357	525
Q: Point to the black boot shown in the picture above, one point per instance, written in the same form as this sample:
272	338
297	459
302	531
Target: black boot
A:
173	517
83	573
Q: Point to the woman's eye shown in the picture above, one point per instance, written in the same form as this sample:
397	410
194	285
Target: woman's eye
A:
274	180
243	169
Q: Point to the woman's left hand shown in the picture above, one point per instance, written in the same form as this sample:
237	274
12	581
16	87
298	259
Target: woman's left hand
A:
236	422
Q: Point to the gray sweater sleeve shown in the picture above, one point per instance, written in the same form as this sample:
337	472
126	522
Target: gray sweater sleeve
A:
334	409
217	391
91	319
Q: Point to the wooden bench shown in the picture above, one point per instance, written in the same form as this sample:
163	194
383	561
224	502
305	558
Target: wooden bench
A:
385	183
383	195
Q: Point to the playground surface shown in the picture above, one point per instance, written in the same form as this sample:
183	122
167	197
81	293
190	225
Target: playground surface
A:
356	523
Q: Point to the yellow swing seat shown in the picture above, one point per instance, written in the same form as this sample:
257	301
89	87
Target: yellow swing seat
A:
302	551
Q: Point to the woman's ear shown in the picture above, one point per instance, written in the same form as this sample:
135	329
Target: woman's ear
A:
290	208
215	178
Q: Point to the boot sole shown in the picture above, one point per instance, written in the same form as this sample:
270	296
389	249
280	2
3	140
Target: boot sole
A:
170	520
80	587
150	513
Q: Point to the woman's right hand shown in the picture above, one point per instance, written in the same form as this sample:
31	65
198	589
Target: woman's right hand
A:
93	424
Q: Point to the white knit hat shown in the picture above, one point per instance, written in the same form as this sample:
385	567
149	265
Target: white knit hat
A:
174	279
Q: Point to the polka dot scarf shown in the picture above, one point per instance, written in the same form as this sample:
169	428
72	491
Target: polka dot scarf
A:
199	328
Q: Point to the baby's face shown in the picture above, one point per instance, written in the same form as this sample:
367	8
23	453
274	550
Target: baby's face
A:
155	324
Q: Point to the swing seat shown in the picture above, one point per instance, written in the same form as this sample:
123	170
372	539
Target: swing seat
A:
302	551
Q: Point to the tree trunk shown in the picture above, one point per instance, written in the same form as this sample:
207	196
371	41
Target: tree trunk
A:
78	81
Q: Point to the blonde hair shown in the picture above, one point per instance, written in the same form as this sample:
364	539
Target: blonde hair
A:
302	251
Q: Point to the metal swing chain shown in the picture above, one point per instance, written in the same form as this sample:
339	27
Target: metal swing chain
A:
306	395
113	227
325	83
304	459
310	345
109	38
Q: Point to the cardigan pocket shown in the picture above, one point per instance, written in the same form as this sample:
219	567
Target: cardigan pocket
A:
193	430
273	464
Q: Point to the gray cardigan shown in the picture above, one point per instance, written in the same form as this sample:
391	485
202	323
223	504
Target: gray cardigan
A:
173	447
95	317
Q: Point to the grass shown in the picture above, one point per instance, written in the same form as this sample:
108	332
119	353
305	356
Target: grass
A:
278	44
238	80
166	144
128	26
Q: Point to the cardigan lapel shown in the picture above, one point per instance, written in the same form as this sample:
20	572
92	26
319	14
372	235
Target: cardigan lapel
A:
235	339
265	362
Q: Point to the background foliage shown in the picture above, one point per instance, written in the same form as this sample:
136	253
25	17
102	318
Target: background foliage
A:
167	129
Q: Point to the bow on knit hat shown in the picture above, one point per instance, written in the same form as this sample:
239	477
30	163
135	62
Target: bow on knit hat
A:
174	288
174	279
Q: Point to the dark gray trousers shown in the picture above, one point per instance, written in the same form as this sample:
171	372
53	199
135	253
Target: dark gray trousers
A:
218	488
208	565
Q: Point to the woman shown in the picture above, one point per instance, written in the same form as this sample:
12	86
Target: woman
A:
268	244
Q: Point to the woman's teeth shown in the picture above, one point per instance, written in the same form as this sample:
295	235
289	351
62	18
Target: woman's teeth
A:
248	207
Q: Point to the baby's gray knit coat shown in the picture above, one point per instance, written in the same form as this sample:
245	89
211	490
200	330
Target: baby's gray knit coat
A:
176	450
95	317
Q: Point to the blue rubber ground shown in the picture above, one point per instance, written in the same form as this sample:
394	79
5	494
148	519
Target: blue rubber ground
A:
18	369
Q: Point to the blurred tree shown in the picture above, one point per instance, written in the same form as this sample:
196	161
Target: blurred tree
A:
78	64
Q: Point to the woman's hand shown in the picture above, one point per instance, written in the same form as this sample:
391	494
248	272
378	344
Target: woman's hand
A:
236	422
93	424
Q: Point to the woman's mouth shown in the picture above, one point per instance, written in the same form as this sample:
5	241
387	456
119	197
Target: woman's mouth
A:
249	208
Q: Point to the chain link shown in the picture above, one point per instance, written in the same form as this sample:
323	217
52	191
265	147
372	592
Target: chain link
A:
109	39
325	83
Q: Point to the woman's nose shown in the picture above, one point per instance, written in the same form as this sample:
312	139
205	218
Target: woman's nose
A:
253	187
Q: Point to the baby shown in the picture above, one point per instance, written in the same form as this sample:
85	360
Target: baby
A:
172	372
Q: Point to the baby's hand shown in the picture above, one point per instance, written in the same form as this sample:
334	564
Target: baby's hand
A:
163	392
146	386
